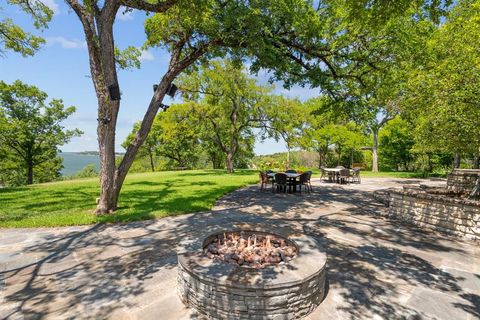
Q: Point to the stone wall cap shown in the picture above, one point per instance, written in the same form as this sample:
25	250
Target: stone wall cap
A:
421	194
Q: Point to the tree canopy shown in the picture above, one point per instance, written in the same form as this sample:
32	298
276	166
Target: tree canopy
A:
30	133
229	105
442	97
14	38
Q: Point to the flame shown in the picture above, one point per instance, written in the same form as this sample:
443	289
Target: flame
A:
254	250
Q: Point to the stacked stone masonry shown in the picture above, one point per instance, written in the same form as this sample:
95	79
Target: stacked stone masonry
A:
442	209
460	218
221	302
462	180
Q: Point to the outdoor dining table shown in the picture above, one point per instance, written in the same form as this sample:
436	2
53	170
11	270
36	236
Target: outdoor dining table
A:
335	171
290	176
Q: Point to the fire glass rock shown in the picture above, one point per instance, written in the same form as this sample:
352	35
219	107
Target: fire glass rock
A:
250	249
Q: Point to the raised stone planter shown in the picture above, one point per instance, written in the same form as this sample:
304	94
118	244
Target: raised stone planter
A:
462	181
226	291
456	216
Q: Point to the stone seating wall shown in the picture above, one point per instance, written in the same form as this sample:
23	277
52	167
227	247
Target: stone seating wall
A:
447	210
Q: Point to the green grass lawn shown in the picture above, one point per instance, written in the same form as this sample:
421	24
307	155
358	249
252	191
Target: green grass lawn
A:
143	196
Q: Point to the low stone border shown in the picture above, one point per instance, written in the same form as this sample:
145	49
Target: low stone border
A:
226	291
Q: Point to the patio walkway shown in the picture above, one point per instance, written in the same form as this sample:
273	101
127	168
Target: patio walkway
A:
378	269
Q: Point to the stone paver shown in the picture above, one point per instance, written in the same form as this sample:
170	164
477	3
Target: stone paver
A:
377	268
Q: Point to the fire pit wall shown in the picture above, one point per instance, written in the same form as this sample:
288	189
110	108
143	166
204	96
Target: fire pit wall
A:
225	291
441	209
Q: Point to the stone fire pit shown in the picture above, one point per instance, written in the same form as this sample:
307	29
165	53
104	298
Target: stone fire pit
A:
289	289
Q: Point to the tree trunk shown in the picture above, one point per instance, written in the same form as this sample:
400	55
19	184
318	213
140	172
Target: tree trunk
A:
29	163
216	160
29	173
374	151
476	161
213	160
288	157
151	161
104	76
112	178
351	158
456	161
320	159
429	162
182	163
108	188
230	163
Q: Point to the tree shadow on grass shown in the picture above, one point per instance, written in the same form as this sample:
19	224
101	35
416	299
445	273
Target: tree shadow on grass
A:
147	204
216	172
139	200
13	190
172	183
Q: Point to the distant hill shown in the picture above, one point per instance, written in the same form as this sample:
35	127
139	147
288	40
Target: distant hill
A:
92	153
95	153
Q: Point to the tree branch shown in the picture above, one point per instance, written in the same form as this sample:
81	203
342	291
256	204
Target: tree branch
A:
159	7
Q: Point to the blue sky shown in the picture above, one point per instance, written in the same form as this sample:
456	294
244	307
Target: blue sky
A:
61	69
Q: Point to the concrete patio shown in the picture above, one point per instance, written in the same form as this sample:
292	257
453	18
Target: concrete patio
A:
377	268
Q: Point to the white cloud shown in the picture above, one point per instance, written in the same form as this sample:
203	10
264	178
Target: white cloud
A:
146	56
125	15
52	5
66	43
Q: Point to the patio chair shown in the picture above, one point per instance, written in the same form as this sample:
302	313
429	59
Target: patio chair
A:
263	180
291	171
309	179
344	176
329	174
323	173
281	181
304	181
355	175
269	177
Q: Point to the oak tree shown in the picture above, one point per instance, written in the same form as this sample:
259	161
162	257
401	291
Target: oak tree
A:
31	131
229	105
